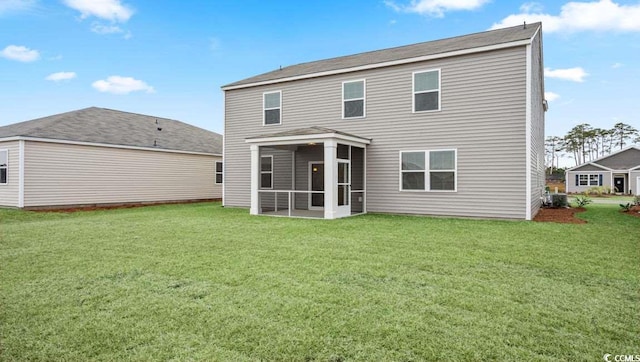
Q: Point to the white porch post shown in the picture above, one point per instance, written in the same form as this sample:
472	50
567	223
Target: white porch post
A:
255	179
330	178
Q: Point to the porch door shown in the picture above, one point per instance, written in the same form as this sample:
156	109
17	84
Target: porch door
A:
618	184
316	183
344	188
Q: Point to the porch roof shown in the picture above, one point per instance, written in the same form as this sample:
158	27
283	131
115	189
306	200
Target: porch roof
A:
307	135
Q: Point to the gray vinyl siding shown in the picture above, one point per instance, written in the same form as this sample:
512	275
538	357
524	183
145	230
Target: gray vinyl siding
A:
9	192
607	180
64	174
537	126
482	117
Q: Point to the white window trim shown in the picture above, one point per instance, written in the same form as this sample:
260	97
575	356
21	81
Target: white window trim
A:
364	98
6	167
427	170
265	109
413	92
216	172
588	176
265	172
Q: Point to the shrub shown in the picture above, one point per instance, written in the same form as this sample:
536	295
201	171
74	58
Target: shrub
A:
598	190
636	200
583	201
626	207
559	200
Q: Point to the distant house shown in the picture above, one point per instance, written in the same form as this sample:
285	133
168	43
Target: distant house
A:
620	171
418	129
97	156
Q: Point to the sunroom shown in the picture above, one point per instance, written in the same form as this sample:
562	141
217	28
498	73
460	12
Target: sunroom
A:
312	172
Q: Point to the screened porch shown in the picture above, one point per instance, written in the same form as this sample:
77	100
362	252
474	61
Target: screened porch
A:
313	173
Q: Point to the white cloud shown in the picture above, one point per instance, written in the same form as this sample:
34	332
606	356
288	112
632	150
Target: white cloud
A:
550	96
102	29
56	77
112	10
106	29
20	53
617	65
121	85
602	15
531	7
7	6
576	74
436	8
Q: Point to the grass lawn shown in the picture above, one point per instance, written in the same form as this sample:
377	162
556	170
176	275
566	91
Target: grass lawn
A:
199	282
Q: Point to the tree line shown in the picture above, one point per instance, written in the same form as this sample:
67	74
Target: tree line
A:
584	143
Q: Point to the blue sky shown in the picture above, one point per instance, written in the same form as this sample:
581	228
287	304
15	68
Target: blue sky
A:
169	58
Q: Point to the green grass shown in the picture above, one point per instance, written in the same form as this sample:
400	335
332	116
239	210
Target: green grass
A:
199	282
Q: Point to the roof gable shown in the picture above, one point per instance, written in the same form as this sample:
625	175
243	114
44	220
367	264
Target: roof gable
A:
590	167
622	160
408	52
107	126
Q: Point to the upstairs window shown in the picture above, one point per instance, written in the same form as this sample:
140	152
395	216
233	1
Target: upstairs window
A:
353	99
428	170
426	91
219	175
272	107
4	164
266	172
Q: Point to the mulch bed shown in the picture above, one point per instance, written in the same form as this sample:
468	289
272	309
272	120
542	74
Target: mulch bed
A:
634	211
560	215
116	206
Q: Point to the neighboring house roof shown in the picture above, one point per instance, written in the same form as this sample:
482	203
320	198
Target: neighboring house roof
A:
383	57
108	126
590	167
625	159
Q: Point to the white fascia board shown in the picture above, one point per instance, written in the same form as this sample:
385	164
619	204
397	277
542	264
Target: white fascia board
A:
95	144
314	138
385	64
592	164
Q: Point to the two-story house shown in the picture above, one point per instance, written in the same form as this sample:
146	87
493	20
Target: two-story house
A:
451	127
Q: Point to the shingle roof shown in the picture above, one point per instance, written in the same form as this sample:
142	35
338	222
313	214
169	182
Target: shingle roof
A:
625	159
315	130
622	160
477	40
107	126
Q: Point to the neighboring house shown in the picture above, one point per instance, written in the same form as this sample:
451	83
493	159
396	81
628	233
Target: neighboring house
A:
97	156
619	171
452	127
